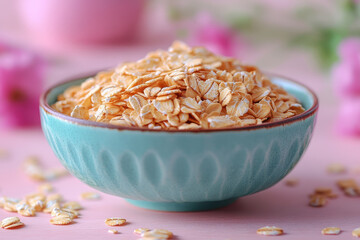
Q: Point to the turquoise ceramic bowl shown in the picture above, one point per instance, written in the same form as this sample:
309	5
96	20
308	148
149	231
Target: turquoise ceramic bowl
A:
177	170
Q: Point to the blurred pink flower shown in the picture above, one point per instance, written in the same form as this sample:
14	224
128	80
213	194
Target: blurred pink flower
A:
348	122
213	35
346	73
21	79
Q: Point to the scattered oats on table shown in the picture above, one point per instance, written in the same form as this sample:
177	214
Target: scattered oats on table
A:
336	168
56	212
46	188
115	221
53	174
156	234
73	205
61	220
34	169
323	191
291	182
113	231
331	231
9	204
62	214
90	196
349	187
37	201
54	197
11	222
320	196
318	201
140	231
180	89
356	232
270	231
24	209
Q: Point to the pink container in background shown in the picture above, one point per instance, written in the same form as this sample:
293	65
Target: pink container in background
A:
82	21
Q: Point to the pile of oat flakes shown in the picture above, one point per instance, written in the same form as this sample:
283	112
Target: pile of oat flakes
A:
182	88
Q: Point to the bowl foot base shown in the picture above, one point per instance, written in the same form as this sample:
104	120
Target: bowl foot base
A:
181	206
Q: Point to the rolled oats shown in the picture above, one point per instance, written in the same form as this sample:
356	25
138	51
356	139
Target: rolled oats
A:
349	187
270	231
318	201
331	231
25	210
61	220
9	204
140	231
336	168
64	212
15	225
72	205
90	196
320	196
356	232
46	188
167	90
323	191
50	206
346	183
34	169
156	234
10	222
115	221
292	182
113	231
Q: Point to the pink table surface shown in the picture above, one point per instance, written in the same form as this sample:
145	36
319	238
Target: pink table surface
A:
282	206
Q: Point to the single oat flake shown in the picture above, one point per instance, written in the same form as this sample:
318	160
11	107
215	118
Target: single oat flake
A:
11	222
356	232
113	231
61	220
336	168
115	221
323	190
90	196
34	169
140	231
73	205
270	231
64	212
349	187
157	234
331	231
46	188
291	182
180	89
318	201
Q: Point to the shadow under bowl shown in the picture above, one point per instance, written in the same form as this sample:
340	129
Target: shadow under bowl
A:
179	170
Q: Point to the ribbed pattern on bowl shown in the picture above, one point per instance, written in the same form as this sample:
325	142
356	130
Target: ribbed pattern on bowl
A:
178	167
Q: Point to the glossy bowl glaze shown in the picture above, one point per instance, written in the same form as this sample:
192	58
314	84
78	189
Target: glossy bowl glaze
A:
179	170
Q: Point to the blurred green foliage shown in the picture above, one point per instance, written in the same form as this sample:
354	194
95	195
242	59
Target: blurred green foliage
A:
321	29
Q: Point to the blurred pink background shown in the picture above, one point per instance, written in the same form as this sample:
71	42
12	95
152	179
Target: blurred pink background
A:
261	40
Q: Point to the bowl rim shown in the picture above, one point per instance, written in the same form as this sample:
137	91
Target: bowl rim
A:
49	110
